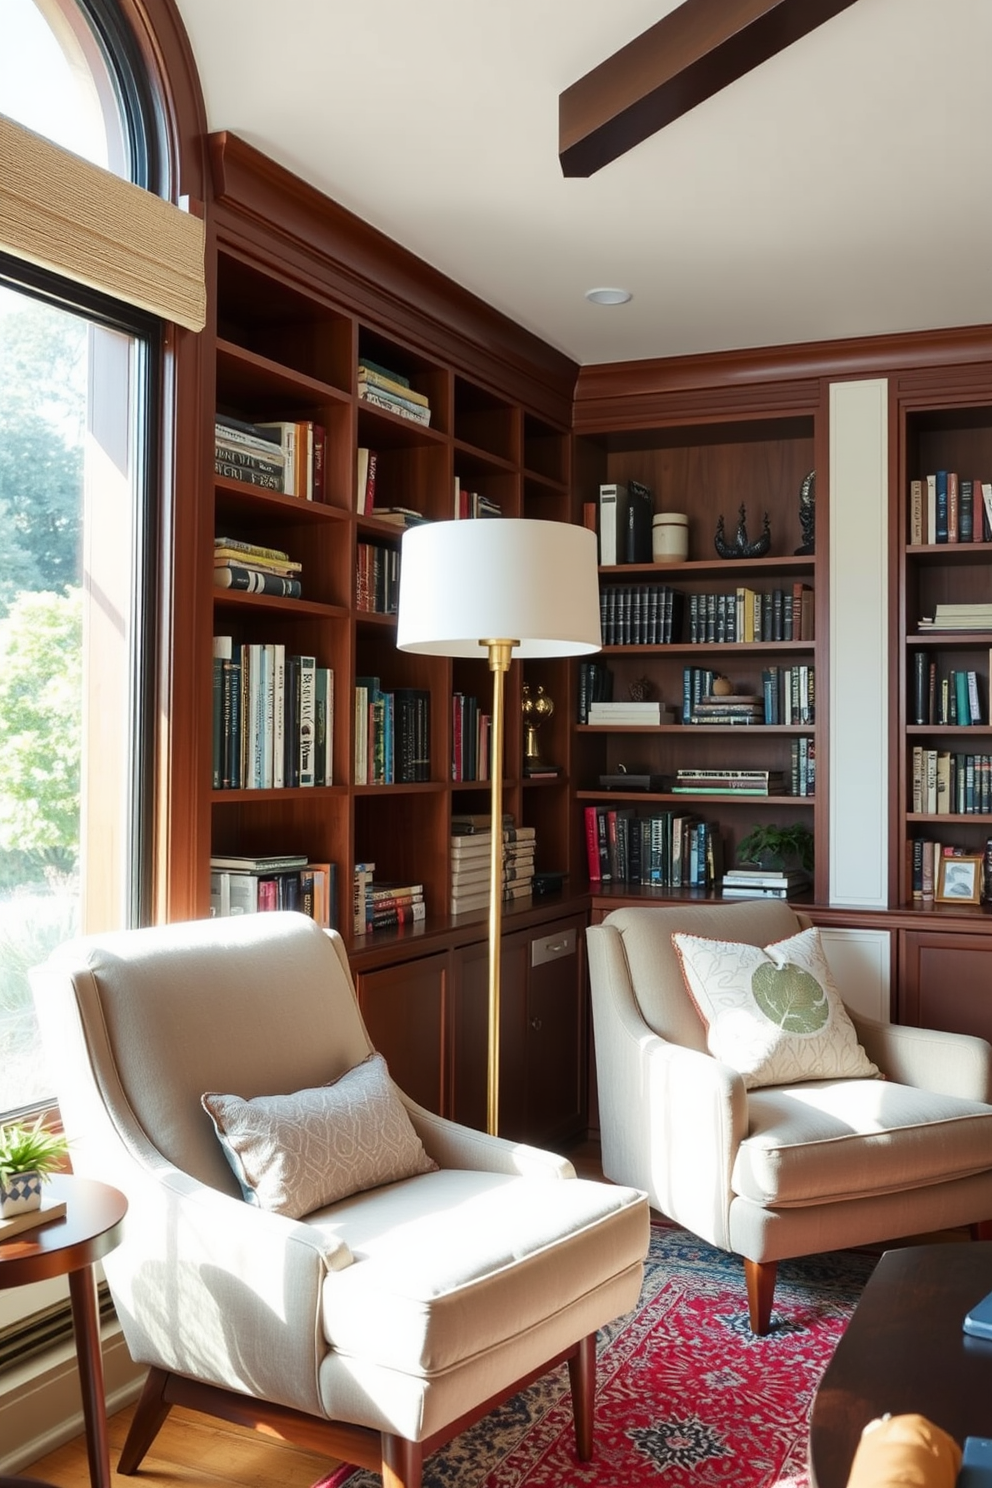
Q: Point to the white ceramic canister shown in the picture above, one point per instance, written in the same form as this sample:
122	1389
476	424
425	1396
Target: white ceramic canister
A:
670	537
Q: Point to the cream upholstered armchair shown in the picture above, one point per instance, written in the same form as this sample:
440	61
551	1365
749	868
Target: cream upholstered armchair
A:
372	1324
825	1154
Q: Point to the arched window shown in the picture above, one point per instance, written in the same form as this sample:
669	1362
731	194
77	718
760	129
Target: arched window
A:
78	508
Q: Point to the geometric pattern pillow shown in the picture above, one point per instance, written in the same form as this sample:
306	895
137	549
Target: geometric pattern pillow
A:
293	1154
772	1014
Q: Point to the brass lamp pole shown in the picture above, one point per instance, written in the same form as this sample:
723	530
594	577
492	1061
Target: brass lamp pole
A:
466	587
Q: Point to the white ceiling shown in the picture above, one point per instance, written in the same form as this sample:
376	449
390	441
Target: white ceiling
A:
843	188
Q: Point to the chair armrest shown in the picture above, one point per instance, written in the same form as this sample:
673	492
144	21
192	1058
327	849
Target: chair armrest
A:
454	1146
671	1118
929	1058
200	1277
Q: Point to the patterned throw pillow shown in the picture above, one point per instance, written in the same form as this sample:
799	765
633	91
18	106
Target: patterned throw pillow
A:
296	1153
773	1014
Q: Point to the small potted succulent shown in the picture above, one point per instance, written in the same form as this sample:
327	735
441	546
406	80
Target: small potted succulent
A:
778	848
28	1155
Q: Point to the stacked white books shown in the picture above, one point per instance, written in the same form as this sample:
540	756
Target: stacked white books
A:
471	857
764	883
630	713
959	617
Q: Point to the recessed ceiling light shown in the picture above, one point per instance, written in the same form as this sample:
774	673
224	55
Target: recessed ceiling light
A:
609	296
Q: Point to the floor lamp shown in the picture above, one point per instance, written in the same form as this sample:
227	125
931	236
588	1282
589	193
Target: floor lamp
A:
502	588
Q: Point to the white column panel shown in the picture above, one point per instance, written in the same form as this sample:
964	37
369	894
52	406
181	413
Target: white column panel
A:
860	962
859	662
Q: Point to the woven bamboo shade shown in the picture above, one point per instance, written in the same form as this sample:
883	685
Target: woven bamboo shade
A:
64	213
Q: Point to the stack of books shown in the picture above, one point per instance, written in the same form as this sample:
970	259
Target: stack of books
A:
398	516
729	709
381	387
385	905
720	782
247	452
255	569
630	713
241	884
471	849
763	883
959	617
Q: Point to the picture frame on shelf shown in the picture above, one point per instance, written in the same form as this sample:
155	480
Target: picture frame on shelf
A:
959	879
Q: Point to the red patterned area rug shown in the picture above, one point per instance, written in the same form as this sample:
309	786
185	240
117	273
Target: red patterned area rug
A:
686	1396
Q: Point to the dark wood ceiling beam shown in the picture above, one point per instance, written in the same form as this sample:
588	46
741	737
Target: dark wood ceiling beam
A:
690	54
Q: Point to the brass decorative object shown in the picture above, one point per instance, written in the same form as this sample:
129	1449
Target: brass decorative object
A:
537	707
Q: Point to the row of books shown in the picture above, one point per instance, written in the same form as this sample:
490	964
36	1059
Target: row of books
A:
384	905
763	883
286	455
964	616
242	884
641	614
787	698
377	578
595	686
927	867
471	736
383	387
945	783
945	507
273	717
953	699
473	503
626	510
255	569
471	862
670	849
392	733
746	615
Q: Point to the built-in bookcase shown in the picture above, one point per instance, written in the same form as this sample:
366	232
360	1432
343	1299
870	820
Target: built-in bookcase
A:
289	344
945	439
707	469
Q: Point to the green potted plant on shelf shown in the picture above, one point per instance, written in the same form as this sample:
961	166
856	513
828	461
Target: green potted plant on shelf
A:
29	1154
777	847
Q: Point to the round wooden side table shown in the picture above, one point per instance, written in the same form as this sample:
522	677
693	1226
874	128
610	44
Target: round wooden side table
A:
91	1227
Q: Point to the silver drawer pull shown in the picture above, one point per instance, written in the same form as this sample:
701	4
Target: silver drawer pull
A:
551	949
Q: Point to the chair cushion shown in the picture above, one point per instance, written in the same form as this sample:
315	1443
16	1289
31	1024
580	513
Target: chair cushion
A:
296	1153
830	1140
449	1265
772	1013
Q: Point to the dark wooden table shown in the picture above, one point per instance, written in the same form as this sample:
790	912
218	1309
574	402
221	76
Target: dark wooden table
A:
904	1350
91	1228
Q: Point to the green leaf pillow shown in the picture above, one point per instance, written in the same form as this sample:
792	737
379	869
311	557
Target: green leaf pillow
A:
772	1013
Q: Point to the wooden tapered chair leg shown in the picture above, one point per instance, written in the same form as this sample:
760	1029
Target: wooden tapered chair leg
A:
402	1462
760	1277
146	1423
582	1378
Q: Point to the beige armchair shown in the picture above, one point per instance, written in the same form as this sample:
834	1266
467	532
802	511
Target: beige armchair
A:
383	1323
791	1169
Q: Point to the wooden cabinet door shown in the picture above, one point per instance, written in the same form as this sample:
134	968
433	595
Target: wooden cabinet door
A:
404	1008
470	1034
556	1043
945	981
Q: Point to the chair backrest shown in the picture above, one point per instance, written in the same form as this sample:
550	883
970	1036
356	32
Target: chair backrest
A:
143	1022
653	964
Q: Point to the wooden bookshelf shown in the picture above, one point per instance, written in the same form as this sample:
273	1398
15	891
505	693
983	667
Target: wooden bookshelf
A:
707	467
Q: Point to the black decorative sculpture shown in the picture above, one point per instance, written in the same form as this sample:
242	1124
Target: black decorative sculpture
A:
807	514
740	547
